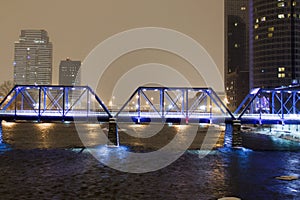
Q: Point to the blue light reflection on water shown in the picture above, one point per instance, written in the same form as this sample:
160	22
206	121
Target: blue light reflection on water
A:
252	173
3	146
242	172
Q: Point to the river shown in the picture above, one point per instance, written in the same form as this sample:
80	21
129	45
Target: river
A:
46	161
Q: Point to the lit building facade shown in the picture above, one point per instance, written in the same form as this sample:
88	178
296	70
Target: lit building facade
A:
236	51
276	42
69	72
33	58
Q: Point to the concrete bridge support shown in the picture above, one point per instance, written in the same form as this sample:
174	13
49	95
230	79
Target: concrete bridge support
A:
233	136
113	136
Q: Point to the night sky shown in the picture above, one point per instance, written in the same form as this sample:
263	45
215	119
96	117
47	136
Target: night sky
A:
75	27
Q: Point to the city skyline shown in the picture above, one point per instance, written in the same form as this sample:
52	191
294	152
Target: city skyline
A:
275	43
76	35
33	58
261	46
236	68
69	72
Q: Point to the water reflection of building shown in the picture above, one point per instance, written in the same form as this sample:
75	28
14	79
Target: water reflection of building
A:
236	51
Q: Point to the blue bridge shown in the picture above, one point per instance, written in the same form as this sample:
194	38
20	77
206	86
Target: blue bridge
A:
53	103
150	104
270	106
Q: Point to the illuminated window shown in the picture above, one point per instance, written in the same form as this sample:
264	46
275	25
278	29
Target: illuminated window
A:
256	37
281	69
256	26
280	16
281	4
271	29
281	75
270	35
263	19
294	3
243	8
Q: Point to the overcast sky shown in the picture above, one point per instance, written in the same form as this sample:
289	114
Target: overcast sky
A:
75	27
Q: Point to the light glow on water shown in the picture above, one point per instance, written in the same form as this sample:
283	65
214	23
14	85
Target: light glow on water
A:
180	127
44	126
8	124
93	125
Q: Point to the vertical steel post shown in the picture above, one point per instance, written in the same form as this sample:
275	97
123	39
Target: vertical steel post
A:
45	98
294	102
139	105
67	97
40	93
187	106
182	102
63	115
260	109
210	107
88	102
16	104
162	103
282	106
22	102
273	102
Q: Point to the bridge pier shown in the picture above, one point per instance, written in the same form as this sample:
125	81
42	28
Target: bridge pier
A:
113	136
233	136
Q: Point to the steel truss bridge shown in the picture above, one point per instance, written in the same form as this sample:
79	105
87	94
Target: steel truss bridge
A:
53	103
270	106
150	104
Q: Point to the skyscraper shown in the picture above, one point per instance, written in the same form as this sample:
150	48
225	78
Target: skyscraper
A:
33	58
276	42
236	51
69	72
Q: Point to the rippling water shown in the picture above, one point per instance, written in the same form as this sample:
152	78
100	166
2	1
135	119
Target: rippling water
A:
44	162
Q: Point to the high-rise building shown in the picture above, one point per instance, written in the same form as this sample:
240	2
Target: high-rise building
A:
276	42
69	72
236	51
33	58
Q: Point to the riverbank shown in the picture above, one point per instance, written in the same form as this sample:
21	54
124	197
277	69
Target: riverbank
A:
286	132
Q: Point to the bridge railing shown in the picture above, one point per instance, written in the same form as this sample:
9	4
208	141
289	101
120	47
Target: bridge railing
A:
279	105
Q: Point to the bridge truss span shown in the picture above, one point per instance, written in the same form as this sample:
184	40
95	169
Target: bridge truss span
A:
161	104
271	106
51	103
